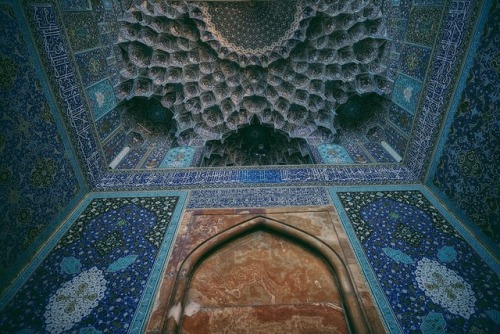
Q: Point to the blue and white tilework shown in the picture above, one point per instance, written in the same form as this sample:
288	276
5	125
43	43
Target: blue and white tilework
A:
334	154
406	92
101	98
99	274
39	181
378	152
466	166
178	157
427	273
257	197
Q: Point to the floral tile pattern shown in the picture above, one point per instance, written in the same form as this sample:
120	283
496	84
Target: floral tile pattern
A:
37	179
178	157
334	154
423	25
101	98
414	61
468	171
92	66
426	271
406	92
95	277
82	31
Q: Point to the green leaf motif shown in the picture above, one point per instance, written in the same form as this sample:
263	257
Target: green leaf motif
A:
122	263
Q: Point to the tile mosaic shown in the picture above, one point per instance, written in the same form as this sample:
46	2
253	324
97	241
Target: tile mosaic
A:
132	159
114	145
257	197
75	5
178	157
101	98
334	154
48	37
357	153
101	273
155	157
423	25
39	182
419	264
378	152
401	118
406	92
414	61
395	139
91	66
81	28
466	167
457	32
108	123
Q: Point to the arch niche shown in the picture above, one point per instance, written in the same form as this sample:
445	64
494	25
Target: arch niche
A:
264	276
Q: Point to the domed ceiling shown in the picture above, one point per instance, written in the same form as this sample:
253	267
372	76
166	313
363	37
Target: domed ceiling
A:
217	71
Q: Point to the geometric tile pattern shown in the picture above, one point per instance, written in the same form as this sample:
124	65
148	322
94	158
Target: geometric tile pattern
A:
101	274
425	270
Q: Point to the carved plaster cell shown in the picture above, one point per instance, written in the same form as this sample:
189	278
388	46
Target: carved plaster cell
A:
223	65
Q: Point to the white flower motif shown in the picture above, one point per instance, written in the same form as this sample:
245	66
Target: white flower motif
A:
74	300
408	93
99	97
445	287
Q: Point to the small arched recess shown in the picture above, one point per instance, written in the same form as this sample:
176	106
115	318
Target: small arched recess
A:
181	307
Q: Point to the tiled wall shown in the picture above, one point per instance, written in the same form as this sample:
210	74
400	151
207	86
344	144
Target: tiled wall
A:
39	180
467	171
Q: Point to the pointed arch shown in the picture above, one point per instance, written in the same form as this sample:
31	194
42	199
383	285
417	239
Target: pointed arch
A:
353	310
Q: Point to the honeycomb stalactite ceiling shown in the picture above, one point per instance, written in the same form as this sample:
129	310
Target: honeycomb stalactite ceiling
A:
217	66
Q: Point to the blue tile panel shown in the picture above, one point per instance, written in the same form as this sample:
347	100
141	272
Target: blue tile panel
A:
401	118
75	5
378	152
395	139
99	274
114	145
458	25
81	29
356	152
423	267
108	123
91	66
257	197
468	172
54	47
38	181
406	92
132	159
414	61
155	157
101	97
334	154
178	157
